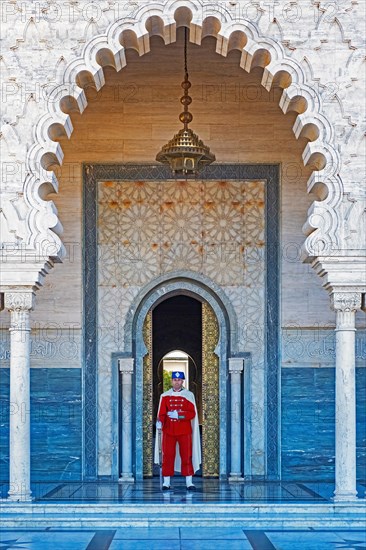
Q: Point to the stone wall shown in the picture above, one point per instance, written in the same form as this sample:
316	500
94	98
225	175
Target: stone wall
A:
129	120
136	112
39	40
64	43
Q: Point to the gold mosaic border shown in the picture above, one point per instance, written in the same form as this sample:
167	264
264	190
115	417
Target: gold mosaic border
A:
210	393
147	398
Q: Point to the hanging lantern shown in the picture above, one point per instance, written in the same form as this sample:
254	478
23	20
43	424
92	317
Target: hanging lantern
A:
185	152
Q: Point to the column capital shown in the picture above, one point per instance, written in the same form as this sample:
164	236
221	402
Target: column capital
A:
236	365
346	301
19	300
126	365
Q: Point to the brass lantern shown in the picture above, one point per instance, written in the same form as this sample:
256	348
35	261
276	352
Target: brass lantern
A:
185	152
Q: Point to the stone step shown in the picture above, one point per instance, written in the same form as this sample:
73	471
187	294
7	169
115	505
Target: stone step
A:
343	515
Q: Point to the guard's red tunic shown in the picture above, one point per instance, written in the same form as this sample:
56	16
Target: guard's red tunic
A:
177	431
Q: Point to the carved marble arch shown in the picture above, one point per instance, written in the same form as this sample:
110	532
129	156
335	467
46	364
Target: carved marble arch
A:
219	330
162	19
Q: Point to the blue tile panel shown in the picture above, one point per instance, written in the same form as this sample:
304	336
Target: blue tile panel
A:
308	445
56	420
4	423
308	423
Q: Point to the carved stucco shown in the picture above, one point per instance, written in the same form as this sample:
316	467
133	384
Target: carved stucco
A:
150	229
322	55
19	301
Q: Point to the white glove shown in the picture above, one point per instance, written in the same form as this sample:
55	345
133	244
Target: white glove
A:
173	414
159	425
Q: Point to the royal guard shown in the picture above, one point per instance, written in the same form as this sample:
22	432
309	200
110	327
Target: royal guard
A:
178	420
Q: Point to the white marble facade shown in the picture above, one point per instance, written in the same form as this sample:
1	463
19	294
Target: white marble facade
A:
314	51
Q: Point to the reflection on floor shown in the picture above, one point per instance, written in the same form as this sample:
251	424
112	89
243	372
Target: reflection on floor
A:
208	491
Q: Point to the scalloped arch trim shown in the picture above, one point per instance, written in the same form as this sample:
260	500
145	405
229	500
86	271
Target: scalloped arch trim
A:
163	19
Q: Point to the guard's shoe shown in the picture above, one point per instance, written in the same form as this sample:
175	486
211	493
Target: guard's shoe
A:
191	488
166	487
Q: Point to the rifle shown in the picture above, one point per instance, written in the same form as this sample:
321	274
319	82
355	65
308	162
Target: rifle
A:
160	459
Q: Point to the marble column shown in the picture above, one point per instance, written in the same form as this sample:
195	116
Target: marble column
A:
126	368
236	366
345	304
19	304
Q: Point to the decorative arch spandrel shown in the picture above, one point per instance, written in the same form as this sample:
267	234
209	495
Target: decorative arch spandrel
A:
230	33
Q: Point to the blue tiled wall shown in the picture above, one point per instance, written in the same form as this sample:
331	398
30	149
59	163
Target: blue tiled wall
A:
56	424
307	423
308	435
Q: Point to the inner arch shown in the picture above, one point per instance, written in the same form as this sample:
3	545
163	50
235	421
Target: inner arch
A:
177	325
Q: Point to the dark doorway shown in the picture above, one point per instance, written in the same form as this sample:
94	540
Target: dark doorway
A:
177	325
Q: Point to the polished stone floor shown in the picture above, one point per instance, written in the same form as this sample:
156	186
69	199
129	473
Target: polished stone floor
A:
208	491
136	538
183	538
